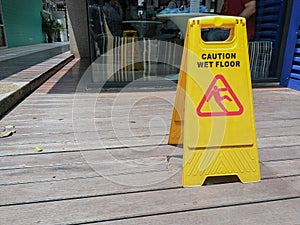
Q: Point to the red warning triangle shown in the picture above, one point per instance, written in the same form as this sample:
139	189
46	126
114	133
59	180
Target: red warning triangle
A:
221	96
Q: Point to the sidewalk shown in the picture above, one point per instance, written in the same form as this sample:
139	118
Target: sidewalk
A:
12	53
23	69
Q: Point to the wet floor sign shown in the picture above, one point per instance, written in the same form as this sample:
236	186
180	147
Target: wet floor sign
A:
213	109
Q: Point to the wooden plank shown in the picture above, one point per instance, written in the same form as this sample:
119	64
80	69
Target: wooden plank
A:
148	203
138	172
40	159
51	167
279	153
94	140
114	133
278	212
285	168
67	140
293	182
283	130
45	159
70	155
81	187
278	141
108	127
80	143
269	121
46	173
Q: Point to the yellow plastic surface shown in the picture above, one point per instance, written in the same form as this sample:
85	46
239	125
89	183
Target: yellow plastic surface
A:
219	137
176	127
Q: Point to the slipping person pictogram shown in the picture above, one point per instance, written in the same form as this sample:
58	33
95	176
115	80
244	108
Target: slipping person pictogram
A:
220	96
216	93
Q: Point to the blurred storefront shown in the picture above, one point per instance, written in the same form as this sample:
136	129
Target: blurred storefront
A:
2	31
151	44
21	21
149	47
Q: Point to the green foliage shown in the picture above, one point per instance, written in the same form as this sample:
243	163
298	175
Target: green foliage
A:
51	27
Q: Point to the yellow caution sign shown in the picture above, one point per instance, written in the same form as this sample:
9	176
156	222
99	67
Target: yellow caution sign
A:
176	127
219	134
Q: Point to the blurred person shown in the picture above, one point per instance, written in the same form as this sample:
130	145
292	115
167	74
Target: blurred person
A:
97	29
114	16
242	8
169	30
172	4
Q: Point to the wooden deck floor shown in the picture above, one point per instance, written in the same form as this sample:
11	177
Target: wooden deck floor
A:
105	160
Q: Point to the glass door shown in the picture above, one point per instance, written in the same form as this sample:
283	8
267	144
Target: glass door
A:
143	49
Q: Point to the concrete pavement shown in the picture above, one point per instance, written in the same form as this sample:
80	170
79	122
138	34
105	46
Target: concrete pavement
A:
23	69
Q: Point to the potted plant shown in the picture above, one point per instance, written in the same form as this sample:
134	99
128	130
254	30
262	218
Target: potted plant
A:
58	28
51	28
